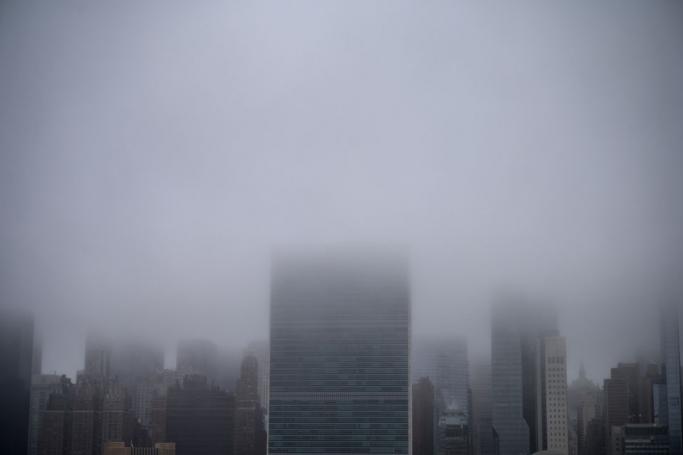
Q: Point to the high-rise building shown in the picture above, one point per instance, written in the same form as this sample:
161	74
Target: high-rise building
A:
16	358
42	386
445	362
261	350
482	434
644	439
117	423
97	357
198	357
584	401
423	417
555	434
511	431
339	355
199	418
248	426
518	332
671	355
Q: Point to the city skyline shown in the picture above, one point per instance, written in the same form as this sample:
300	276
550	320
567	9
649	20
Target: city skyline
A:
147	169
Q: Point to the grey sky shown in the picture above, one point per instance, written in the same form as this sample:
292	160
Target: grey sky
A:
151	153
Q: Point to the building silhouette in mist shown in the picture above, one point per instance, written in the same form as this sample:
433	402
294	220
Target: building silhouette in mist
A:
671	356
200	418
445	362
42	386
482	424
423	417
340	340
197	357
16	359
523	413
250	437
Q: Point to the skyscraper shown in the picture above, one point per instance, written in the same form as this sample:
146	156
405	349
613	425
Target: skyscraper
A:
42	386
671	355
482	434
554	401
16	358
199	418
423	417
518	334
340	340
247	408
97	358
511	431
198	357
445	362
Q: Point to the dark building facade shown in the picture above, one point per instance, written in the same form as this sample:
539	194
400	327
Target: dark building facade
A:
248	418
423	417
200	418
16	359
671	355
482	425
340	341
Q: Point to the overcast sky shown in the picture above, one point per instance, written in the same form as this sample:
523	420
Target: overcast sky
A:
152	154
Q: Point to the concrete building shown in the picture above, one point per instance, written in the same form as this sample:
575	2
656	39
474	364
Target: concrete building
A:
645	439
248	418
554	407
42	386
340	342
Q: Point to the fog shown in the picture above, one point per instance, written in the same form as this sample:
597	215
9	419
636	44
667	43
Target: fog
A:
153	154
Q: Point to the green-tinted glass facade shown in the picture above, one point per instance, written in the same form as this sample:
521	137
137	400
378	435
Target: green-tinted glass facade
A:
339	379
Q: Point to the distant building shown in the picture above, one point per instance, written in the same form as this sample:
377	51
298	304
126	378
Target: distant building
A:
645	439
482	424
97	357
671	355
445	362
16	358
423	417
248	418
198	357
518	331
554	400
584	402
452	433
42	385
340	341
261	350
200	418
54	432
117	419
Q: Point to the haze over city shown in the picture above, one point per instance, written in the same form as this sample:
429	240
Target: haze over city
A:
154	154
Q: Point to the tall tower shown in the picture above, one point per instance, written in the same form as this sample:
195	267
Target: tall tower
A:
511	431
518	333
445	362
340	340
16	354
671	356
556	432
